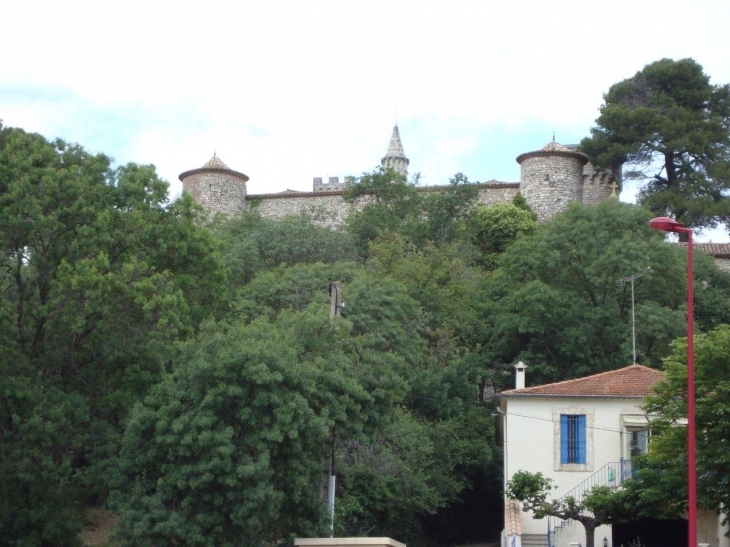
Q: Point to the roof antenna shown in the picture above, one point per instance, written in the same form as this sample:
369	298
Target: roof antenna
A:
630	279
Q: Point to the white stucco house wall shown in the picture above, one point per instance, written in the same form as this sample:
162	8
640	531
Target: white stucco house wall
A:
575	431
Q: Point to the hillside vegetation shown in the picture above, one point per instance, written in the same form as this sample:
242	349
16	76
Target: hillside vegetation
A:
186	373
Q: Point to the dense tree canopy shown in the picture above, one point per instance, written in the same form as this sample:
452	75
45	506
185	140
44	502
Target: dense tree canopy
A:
671	128
558	304
100	274
406	339
231	446
189	375
393	204
493	229
661	485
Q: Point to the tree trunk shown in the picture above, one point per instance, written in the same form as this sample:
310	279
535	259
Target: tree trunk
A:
590	533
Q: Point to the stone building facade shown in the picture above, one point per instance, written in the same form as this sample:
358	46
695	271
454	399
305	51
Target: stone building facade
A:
550	179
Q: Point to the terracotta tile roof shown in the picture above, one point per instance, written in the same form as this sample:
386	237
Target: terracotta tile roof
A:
633	381
556	147
215	163
212	165
718	250
512	518
552	149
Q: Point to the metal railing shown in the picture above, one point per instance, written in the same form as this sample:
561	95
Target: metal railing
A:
613	475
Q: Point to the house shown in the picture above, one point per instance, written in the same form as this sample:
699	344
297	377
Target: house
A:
580	433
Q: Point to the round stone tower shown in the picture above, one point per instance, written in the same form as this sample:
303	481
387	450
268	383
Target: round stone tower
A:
216	187
551	178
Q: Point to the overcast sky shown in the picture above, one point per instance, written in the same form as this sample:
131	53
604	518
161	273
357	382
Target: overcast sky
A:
285	91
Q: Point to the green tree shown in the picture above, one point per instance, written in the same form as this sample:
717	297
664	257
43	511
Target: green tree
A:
661	484
408	470
229	449
446	209
495	228
390	203
100	274
672	129
254	244
557	302
407	309
422	215
601	505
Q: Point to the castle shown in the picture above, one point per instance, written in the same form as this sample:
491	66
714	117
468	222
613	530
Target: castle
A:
550	179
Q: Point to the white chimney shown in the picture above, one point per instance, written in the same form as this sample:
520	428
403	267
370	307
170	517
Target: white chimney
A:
520	375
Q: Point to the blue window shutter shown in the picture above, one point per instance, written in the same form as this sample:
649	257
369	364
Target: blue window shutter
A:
581	457
564	439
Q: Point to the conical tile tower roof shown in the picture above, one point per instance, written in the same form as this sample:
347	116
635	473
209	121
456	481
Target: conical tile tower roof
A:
215	163
395	157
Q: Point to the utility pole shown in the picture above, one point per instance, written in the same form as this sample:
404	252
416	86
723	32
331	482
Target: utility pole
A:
631	278
336	303
336	306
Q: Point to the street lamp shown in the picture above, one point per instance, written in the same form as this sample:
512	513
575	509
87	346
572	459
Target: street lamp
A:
668	225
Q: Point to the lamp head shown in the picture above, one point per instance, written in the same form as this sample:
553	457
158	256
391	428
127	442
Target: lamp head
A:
665	224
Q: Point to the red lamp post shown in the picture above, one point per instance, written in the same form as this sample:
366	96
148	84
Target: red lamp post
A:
666	224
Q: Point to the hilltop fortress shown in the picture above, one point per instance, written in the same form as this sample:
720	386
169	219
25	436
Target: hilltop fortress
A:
550	179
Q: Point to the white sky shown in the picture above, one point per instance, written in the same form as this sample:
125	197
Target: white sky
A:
288	90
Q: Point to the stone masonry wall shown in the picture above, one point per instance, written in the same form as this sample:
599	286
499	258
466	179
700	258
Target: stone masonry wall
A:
328	205
597	184
723	264
492	193
332	210
550	182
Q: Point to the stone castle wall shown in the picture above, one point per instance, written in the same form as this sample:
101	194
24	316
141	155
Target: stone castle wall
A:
329	205
551	178
597	184
491	193
331	209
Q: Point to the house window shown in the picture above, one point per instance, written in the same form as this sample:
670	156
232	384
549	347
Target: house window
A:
636	433
638	442
573	438
573	445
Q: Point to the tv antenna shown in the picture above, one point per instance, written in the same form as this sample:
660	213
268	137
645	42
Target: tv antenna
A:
631	278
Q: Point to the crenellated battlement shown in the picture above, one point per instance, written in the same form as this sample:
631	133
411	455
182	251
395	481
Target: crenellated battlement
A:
333	183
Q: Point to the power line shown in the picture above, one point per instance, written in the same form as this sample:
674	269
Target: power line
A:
612	430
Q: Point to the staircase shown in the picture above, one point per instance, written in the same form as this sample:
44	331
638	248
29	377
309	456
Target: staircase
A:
613	475
535	540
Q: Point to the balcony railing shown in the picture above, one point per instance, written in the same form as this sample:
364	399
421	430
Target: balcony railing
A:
613	475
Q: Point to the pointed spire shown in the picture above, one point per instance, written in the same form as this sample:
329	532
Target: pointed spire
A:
395	148
395	157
